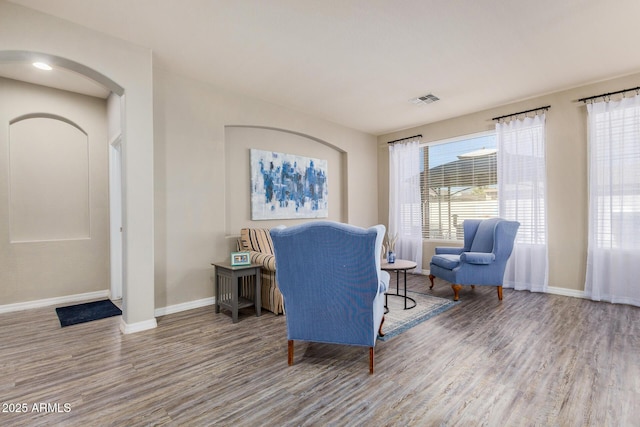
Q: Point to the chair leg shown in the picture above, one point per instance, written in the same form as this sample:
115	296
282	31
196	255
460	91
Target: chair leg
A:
500	293
380	328
431	277
370	360
456	289
290	353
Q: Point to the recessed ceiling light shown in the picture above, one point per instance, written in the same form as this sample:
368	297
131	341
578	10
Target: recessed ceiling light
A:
42	66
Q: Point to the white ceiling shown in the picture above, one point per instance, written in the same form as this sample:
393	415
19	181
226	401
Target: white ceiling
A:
359	62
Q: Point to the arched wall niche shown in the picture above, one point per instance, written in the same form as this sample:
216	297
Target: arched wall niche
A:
47	116
48	179
303	135
240	139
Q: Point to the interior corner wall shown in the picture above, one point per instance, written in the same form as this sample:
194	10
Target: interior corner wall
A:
567	179
199	162
22	29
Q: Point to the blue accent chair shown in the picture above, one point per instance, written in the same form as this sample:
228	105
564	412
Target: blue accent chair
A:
487	247
329	275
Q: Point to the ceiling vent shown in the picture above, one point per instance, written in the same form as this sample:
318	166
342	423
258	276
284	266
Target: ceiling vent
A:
426	99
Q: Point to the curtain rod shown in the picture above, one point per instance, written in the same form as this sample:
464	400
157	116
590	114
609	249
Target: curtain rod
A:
522	112
402	139
589	98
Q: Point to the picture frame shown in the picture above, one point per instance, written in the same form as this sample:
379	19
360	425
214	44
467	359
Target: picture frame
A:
240	258
288	186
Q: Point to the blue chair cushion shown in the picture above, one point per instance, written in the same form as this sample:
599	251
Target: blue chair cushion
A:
479	258
446	261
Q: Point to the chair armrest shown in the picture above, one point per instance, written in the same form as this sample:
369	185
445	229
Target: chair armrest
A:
477	257
267	261
383	282
440	250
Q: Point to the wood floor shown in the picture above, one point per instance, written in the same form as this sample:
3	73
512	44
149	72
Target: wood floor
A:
530	360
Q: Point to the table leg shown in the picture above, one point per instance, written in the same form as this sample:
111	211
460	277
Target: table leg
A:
217	292
258	297
235	285
386	307
405	289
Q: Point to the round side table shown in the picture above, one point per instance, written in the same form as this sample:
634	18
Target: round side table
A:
398	266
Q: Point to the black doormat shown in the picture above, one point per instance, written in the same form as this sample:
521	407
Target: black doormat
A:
81	313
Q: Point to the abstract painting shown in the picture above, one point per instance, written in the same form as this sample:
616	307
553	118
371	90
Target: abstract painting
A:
287	186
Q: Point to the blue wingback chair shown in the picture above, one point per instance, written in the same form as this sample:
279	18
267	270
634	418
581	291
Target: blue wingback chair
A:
487	247
329	275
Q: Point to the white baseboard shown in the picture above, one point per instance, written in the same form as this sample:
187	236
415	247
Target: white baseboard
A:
565	292
53	301
184	306
162	311
130	328
550	290
152	323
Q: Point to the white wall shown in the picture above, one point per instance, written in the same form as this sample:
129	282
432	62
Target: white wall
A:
53	194
201	174
566	141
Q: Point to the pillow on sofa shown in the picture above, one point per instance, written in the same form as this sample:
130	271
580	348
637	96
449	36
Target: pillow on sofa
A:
256	239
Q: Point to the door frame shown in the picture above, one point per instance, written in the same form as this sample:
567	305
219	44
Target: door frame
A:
115	216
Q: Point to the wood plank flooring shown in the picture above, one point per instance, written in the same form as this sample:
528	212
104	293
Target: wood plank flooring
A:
530	360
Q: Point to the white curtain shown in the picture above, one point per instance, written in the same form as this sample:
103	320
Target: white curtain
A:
613	254
405	213
522	196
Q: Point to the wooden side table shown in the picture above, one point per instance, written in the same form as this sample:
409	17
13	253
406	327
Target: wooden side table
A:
228	287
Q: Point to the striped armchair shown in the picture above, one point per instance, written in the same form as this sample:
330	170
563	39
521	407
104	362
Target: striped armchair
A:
258	242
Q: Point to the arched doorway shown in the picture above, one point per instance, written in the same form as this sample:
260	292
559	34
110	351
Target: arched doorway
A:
78	231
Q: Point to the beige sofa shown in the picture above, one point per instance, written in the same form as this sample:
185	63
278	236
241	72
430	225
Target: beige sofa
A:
257	241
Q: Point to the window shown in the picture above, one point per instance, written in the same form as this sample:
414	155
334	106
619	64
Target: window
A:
458	182
522	188
613	254
615	174
523	177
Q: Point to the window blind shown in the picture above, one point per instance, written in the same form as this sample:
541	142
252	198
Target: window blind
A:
458	182
615	174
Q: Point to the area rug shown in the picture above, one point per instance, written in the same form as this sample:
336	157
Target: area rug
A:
86	312
398	320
